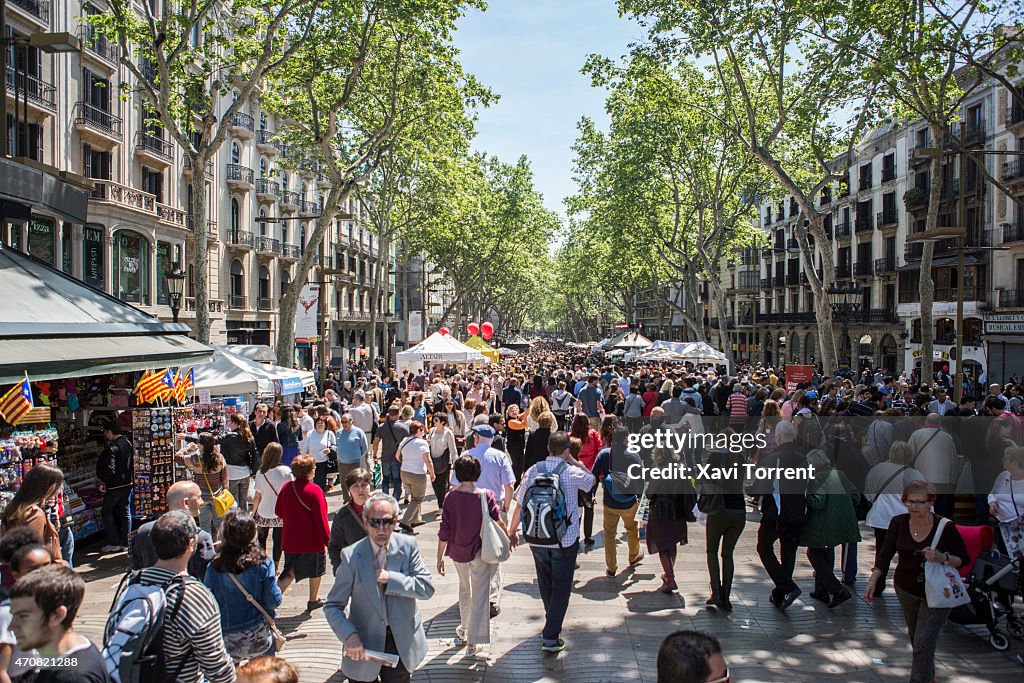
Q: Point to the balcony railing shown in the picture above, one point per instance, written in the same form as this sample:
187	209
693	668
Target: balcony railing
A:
913	251
944	294
37	91
884	218
291	198
792	278
352	316
241	238
766	283
265	303
1014	115
873	315
917	155
236	301
186	164
1013	232
265	137
154	144
241	174
128	197
1011	298
267	186
268	244
215	305
864	183
975	132
910	296
864	224
1012	170
842	229
95	42
309	208
242	120
97	119
290	251
786	318
888	173
780	280
40	9
863	268
885	265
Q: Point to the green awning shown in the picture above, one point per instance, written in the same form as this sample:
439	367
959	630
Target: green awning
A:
65	357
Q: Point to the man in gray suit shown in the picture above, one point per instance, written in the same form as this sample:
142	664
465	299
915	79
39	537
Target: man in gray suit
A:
379	579
941	406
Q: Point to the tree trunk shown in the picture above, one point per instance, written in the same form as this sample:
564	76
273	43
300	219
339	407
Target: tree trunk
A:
926	285
200	250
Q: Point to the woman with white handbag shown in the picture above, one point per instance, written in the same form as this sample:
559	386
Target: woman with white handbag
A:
930	549
476	543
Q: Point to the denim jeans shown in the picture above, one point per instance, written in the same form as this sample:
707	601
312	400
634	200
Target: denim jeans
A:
391	475
555	570
117	515
67	545
239	488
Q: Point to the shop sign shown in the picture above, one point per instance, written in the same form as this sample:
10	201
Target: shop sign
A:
415	332
1007	323
288	385
936	355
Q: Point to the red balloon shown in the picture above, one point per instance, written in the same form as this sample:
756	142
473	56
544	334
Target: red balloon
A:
488	330
443	330
473	329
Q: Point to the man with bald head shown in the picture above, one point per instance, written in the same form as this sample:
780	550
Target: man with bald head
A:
182	495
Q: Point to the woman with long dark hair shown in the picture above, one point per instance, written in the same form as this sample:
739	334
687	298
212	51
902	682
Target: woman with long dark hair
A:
40	484
239	572
238	448
211	474
289	434
269	481
515	437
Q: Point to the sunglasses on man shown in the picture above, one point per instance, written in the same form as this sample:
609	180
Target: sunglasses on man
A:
381	522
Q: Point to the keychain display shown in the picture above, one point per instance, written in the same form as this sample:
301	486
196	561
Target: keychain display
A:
153	438
20	451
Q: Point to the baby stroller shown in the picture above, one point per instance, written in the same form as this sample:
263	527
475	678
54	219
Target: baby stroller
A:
991	580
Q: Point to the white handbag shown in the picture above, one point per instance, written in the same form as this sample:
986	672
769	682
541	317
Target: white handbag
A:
943	587
495	547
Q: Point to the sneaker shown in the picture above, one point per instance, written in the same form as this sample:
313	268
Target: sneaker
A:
479	651
460	634
840	598
789	598
555	647
822	595
110	549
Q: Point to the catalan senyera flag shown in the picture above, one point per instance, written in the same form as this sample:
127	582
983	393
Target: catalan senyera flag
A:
182	384
17	402
154	385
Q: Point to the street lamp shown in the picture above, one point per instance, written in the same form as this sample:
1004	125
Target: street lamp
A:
844	303
175	288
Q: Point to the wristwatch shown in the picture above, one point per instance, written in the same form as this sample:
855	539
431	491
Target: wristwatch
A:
945	558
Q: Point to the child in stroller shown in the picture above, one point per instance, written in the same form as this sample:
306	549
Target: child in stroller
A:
992	580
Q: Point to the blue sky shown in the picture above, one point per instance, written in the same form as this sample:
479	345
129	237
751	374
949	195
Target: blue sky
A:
530	52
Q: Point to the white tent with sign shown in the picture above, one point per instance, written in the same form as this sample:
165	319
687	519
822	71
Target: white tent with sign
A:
233	375
693	352
438	348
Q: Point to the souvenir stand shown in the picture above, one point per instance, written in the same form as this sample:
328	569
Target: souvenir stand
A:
22	447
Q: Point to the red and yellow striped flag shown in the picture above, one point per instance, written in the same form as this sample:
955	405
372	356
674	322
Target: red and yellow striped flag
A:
17	402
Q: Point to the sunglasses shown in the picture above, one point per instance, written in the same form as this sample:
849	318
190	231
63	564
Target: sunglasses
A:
725	678
381	522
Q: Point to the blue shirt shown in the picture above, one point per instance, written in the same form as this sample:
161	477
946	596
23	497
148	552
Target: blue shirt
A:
511	396
236	613
352	445
603	466
590	399
579	387
495	470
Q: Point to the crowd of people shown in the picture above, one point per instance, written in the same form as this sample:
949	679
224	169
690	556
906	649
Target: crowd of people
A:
515	455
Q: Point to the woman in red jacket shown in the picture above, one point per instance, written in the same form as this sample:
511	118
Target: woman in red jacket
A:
591	444
303	510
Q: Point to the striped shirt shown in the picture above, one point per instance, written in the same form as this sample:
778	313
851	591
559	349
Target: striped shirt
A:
192	638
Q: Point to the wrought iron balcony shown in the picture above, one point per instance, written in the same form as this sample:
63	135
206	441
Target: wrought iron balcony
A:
265	141
237	301
96	43
886	218
97	119
37	91
1013	170
241	238
290	251
154	146
242	121
241	177
786	318
1011	298
290	200
864	224
1013	232
885	265
186	169
265	303
268	245
842	229
1014	115
863	268
309	208
975	132
40	9
268	187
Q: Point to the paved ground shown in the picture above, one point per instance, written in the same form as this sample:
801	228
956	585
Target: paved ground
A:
614	626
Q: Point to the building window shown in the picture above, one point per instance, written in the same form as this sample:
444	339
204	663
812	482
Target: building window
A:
285	281
131	267
164	265
65	248
235	218
284	233
237	279
92	256
263	225
263	120
236	153
263	168
153	183
42	239
264	284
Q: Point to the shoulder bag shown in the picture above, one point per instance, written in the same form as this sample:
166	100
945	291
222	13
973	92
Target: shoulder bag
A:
279	639
495	546
1013	531
222	500
943	587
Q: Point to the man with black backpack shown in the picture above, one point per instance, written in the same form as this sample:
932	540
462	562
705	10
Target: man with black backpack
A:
165	625
548	504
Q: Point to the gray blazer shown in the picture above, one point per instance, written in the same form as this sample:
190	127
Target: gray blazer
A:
933	407
355	587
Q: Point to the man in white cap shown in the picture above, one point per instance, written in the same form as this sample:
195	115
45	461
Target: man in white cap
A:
497	477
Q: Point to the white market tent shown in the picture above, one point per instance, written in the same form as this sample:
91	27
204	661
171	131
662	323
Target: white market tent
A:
233	375
438	348
627	340
693	352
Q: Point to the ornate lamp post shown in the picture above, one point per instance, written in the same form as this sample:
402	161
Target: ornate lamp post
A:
175	288
844	303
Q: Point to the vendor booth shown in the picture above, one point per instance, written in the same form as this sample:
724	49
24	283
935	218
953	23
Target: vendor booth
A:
438	349
75	354
230	374
476	342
